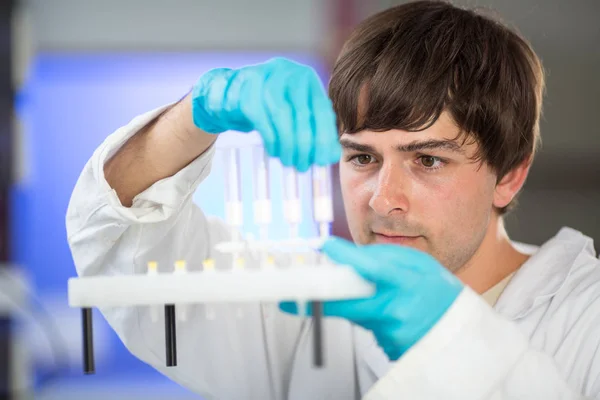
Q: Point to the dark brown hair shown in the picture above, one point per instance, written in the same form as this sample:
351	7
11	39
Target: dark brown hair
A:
409	63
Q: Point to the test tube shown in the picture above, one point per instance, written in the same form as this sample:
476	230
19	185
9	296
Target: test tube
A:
233	203
233	195
292	206
322	199
262	199
293	214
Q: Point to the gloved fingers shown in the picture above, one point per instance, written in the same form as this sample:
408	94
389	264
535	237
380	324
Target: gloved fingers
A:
327	146
355	310
370	325
207	98
304	131
288	307
279	110
416	266
229	109
386	264
393	338
291	307
251	106
368	265
396	339
408	257
392	350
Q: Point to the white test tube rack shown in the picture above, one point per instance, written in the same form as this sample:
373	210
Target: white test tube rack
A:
265	282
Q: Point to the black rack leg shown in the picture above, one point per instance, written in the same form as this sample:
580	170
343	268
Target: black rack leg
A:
88	341
170	335
317	313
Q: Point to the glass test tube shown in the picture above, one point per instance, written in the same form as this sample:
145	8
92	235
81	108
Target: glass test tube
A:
233	196
322	199
293	215
262	200
291	205
233	204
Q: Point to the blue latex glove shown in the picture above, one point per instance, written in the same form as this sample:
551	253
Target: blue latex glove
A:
413	291
283	100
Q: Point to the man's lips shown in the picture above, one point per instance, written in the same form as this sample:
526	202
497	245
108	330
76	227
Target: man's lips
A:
394	238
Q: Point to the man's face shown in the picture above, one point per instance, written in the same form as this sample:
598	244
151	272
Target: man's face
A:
419	189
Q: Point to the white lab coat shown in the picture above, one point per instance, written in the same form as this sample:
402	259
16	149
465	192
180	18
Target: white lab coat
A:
541	342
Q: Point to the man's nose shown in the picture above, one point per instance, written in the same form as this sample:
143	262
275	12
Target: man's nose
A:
391	193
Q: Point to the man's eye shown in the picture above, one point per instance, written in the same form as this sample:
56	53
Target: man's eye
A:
361	159
428	161
431	162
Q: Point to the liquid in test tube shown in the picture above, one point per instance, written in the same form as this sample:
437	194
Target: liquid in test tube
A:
292	206
322	199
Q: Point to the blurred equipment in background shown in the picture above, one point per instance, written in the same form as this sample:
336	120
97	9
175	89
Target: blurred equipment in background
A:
6	109
16	372
18	306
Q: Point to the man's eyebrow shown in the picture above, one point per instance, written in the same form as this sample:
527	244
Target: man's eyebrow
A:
432	144
350	145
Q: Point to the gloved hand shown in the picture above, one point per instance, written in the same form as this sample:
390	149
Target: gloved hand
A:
283	100
413	291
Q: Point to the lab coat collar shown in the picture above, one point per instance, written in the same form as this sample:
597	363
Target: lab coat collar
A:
544	273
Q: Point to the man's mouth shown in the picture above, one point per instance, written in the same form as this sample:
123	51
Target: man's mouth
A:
392	238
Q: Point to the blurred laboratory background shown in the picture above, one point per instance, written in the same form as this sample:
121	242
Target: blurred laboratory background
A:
72	71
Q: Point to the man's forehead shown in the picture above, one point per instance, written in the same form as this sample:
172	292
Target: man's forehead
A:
444	128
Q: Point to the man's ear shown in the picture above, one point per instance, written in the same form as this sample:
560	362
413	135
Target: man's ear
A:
511	183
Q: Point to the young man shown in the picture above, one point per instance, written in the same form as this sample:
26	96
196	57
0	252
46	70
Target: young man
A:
437	125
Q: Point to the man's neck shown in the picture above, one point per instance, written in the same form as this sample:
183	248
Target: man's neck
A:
495	259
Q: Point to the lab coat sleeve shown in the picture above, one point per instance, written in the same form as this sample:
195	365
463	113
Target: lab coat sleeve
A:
163	225
473	354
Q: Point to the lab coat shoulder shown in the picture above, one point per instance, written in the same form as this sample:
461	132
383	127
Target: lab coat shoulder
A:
572	319
541	342
164	225
555	300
